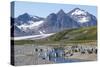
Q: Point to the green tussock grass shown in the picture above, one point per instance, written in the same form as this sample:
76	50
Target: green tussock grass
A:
79	35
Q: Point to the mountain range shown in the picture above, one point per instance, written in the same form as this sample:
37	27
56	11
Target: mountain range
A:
25	24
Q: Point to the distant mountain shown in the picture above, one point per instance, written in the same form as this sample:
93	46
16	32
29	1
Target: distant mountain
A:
26	19
60	21
26	24
82	17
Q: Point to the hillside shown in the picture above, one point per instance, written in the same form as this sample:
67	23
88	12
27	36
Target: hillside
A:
80	35
87	33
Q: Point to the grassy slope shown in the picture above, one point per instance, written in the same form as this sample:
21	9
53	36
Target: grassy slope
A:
88	33
66	36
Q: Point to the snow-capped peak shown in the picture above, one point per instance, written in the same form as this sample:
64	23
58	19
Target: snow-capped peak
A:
80	16
79	12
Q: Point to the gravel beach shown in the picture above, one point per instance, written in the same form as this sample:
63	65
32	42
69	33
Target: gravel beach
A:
28	55
25	55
